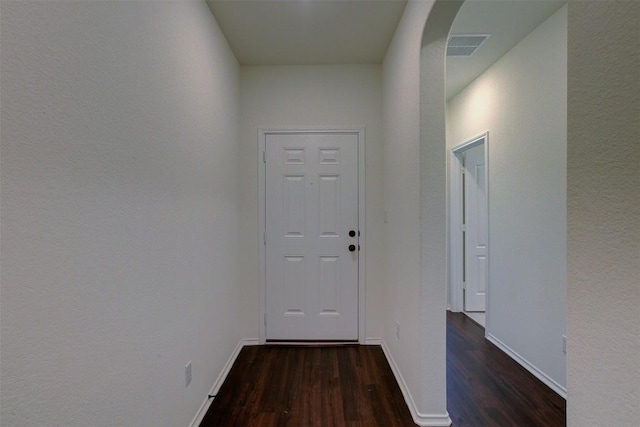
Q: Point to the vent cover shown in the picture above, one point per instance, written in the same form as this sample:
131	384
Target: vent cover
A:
465	44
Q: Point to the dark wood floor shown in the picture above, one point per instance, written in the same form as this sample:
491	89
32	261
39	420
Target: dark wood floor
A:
354	386
485	387
309	386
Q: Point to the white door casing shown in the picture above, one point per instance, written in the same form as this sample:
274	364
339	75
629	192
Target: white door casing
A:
475	220
310	288
457	231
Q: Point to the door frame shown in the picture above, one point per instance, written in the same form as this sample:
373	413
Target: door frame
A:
262	169
456	259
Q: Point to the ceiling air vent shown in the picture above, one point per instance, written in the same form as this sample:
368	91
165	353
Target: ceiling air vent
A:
465	44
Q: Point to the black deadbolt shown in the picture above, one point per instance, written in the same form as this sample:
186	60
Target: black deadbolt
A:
352	233
352	248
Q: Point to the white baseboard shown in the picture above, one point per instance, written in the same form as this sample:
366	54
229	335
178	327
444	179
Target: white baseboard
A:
429	420
553	385
372	341
218	382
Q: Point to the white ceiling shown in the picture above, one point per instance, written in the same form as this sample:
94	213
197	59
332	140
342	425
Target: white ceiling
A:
304	32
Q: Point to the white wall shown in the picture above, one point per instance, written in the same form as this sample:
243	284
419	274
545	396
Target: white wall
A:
521	100
401	89
603	213
119	209
415	233
347	96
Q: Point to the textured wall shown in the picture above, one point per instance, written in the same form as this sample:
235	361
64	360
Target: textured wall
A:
401	101
521	100
433	206
603	214
415	199
347	96
119	211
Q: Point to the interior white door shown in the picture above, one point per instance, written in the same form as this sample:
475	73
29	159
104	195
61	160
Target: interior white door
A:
475	236
311	208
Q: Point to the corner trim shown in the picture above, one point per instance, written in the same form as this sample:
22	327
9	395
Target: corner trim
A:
548	381
195	422
372	341
427	420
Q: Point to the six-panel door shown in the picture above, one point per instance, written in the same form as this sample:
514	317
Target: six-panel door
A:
311	205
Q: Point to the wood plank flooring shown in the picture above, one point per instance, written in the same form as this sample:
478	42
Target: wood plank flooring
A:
485	387
354	386
309	386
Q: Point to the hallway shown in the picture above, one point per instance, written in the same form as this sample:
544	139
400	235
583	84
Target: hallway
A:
130	254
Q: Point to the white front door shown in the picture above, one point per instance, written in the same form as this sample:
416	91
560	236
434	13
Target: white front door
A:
311	208
475	235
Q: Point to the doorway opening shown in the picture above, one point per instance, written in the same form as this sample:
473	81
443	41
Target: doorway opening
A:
469	221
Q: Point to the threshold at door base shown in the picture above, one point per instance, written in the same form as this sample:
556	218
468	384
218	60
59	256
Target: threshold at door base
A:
311	343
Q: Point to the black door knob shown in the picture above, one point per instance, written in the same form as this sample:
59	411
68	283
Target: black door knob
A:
352	248
352	233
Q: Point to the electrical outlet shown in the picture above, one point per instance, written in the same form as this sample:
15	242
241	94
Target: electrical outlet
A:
564	344
187	374
398	330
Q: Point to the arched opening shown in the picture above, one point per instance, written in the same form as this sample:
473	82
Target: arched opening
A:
541	202
514	91
520	102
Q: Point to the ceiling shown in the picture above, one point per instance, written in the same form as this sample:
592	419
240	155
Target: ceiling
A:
303	32
306	32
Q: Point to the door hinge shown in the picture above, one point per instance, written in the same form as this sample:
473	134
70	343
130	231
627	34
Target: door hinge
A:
464	285
265	319
463	227
264	157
